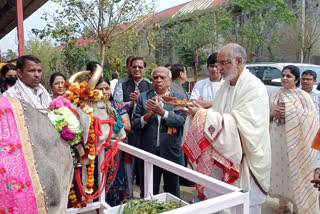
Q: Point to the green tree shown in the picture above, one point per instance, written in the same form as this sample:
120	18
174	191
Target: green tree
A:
255	21
8	55
44	50
202	30
100	20
293	33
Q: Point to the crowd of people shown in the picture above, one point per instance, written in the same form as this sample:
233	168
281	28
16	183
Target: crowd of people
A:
233	132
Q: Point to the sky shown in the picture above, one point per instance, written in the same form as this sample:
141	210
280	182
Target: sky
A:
10	41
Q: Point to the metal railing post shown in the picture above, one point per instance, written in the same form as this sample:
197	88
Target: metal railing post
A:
148	178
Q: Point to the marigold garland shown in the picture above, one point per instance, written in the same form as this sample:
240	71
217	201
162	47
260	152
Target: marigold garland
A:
80	95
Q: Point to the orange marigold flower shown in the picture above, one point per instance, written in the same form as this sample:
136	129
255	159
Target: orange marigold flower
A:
66	84
90	185
84	84
96	93
76	101
73	87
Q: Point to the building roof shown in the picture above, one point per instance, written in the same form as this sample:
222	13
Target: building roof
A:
166	14
8	13
195	5
79	42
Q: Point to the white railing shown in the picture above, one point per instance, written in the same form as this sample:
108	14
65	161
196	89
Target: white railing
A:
231	196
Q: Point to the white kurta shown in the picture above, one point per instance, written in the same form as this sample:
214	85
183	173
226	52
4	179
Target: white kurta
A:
250	108
205	89
39	100
228	105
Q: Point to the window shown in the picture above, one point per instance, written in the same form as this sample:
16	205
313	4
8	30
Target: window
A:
269	74
255	70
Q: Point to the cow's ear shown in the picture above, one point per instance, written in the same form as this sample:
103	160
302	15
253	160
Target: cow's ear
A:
85	121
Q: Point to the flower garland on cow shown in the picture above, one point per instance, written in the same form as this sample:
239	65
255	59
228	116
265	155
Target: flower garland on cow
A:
84	149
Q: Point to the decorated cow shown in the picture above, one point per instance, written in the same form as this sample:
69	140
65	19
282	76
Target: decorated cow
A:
39	151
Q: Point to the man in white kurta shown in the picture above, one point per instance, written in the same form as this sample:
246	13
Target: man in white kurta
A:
245	98
205	90
28	88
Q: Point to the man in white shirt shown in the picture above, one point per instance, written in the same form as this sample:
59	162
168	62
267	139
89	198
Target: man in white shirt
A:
308	79
205	90
113	82
28	88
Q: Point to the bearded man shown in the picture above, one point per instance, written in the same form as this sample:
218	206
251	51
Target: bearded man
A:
235	146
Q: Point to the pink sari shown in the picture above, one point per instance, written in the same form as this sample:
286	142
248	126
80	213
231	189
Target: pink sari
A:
17	193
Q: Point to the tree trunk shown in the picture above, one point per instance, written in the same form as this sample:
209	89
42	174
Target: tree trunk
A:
195	77
102	51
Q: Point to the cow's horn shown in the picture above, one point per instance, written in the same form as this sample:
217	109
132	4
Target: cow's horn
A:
95	77
77	75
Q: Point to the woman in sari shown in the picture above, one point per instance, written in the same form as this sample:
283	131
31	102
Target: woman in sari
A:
56	82
294	126
116	186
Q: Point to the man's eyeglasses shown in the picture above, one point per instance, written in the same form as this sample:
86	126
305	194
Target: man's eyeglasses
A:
223	63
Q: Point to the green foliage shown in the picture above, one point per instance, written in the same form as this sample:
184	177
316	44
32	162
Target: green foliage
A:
196	31
259	17
100	20
8	55
45	52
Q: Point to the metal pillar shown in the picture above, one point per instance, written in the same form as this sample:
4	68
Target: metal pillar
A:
303	17
21	49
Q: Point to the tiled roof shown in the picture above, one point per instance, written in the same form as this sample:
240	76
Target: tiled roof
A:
184	8
168	13
195	5
80	42
218	3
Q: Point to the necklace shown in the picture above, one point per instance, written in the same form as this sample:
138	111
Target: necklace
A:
80	95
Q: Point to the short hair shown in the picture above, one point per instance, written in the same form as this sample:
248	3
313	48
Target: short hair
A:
114	76
6	68
238	50
310	72
176	69
53	77
21	61
212	59
92	65
161	67
128	61
167	65
295	71
136	59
